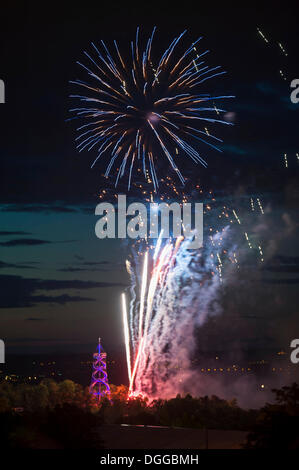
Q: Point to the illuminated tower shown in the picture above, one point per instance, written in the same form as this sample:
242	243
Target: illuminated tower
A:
99	386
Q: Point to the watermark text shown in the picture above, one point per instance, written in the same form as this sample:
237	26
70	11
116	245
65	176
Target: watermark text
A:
2	92
2	351
295	93
150	221
295	353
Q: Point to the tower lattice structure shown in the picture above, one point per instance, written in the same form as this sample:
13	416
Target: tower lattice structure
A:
99	386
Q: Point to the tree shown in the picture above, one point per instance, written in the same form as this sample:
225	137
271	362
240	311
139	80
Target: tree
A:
34	397
119	392
4	404
277	425
73	428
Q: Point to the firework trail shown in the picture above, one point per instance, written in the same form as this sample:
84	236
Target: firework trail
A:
262	35
179	288
282	74
132	275
168	295
285	158
143	287
126	331
141	109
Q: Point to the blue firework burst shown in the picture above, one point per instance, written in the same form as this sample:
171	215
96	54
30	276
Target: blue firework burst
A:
146	107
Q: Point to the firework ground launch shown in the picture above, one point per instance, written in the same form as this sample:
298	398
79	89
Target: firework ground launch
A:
175	289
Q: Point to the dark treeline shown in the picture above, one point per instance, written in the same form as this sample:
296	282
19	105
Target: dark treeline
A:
65	415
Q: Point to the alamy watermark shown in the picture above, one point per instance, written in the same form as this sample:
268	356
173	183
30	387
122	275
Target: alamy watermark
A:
2	91
2	351
295	93
150	221
295	353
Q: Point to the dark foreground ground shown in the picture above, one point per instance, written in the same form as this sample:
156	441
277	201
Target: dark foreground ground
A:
151	437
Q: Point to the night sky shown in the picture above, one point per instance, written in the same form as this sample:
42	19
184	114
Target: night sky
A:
60	285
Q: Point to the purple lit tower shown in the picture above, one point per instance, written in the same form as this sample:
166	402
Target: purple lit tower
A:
99	386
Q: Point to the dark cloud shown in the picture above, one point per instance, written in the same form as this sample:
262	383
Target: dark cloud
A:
37	208
94	263
89	266
53	284
87	210
18	291
46	208
25	242
32	262
4	233
60	299
31	242
76	270
4	265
